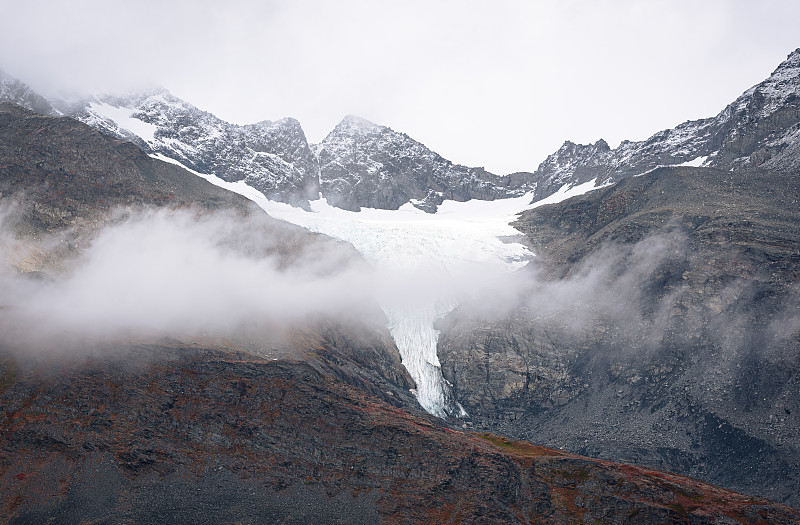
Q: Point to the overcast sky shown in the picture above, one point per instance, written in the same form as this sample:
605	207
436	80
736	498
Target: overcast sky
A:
499	84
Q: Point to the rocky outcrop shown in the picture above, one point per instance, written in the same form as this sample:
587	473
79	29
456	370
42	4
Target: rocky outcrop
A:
169	433
658	325
760	128
364	164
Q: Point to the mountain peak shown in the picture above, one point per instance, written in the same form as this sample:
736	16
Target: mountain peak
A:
789	68
355	123
601	145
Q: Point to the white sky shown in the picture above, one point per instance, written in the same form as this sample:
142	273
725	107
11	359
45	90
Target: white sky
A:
499	83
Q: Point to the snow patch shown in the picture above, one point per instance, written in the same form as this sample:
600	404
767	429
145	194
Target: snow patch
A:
695	162
567	191
124	119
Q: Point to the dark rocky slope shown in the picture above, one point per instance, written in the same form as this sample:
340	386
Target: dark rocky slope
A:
192	435
658	325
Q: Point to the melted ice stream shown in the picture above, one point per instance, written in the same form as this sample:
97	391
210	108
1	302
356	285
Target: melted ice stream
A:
427	264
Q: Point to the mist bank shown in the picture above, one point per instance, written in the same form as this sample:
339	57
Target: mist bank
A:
146	273
173	272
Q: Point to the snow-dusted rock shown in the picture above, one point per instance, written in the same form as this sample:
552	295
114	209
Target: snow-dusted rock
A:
363	164
758	129
272	157
17	92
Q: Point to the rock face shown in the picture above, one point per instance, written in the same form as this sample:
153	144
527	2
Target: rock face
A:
17	92
659	325
178	434
759	129
364	164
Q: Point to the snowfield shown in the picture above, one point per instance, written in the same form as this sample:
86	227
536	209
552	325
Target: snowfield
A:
123	118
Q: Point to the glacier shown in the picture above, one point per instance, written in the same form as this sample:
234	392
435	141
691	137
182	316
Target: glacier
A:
426	264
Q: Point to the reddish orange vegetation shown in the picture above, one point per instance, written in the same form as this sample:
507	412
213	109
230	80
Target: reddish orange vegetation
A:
519	448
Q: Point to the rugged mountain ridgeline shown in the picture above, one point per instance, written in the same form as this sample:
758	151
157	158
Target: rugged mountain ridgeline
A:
296	424
364	164
658	325
359	164
761	128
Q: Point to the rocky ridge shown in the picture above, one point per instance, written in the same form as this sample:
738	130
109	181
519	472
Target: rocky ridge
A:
358	164
758	129
272	157
17	92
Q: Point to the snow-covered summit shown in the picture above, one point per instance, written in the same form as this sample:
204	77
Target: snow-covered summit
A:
354	124
782	86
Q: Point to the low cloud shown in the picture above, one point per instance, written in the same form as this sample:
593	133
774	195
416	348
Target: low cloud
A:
186	273
178	272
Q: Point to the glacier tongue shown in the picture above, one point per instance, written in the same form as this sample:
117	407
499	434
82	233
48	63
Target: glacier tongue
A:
415	337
